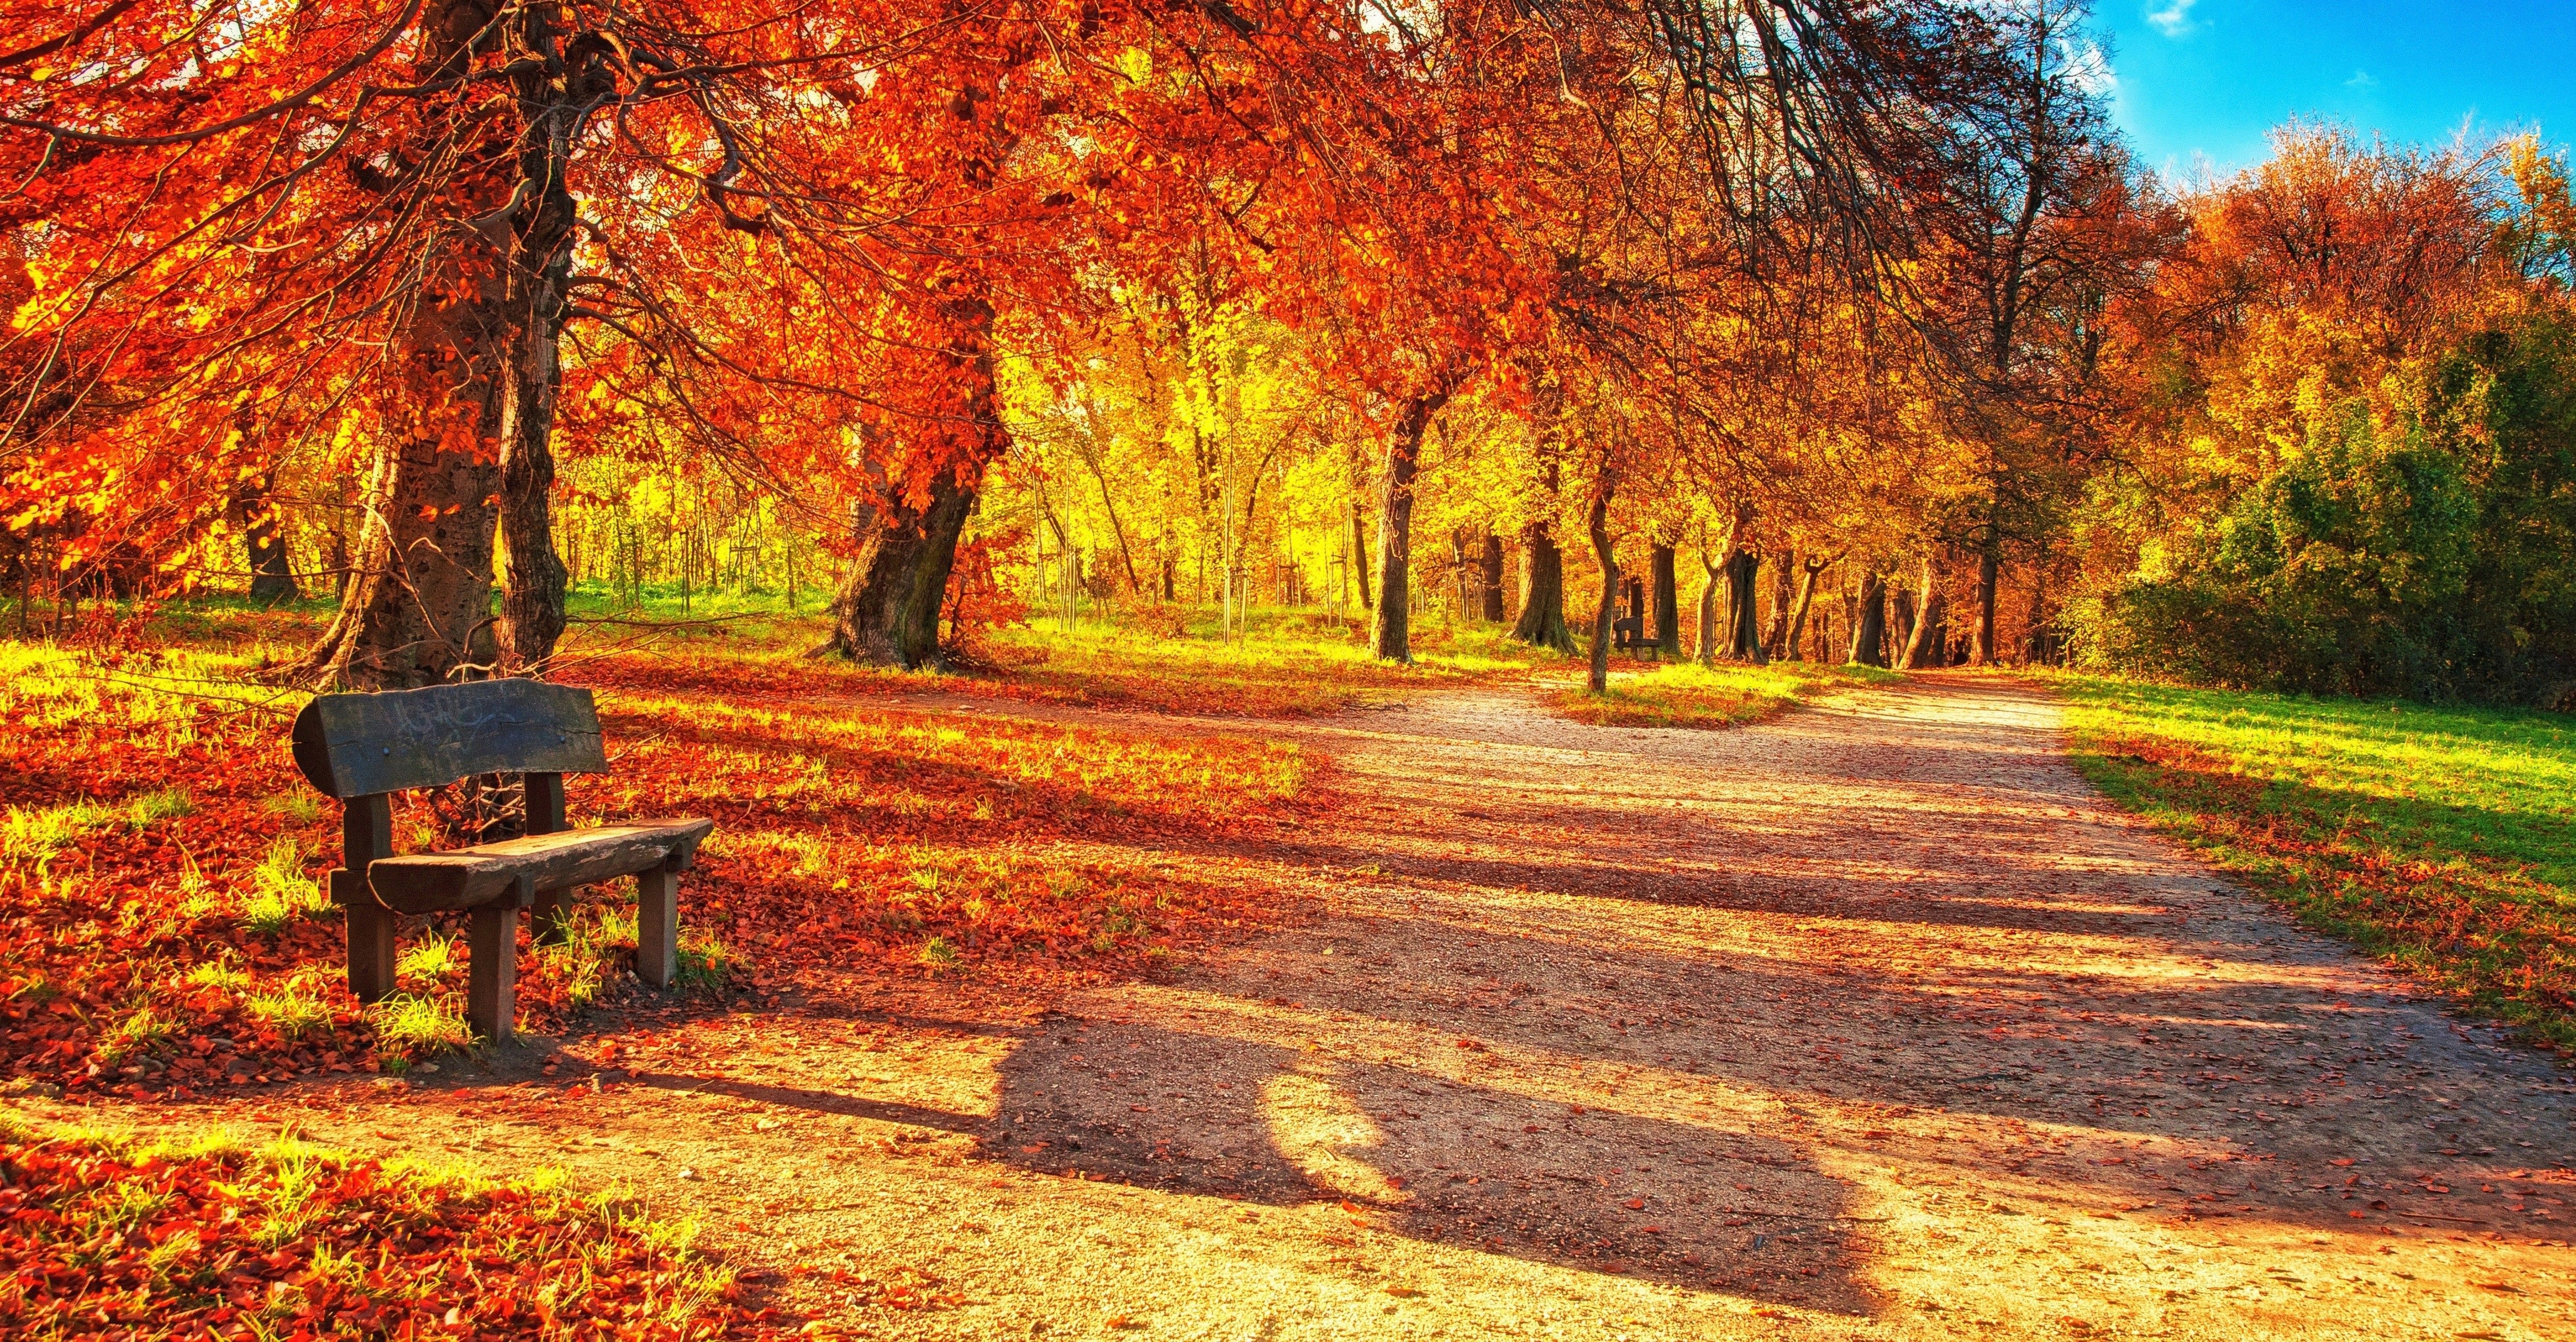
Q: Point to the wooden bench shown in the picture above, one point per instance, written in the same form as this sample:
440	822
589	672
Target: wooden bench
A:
1629	630
362	748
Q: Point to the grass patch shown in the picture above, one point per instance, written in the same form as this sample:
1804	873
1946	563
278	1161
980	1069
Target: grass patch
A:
35	835
280	891
292	1009
2439	838
1687	694
410	1027
168	803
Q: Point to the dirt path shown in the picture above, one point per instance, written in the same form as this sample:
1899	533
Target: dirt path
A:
1872	1021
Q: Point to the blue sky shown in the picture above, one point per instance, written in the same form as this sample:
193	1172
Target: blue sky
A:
2208	78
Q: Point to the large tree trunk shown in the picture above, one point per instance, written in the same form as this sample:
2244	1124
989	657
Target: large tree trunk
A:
1597	523
1489	571
1743	641
419	605
533	577
1775	640
1929	646
1989	576
1808	570
272	575
480	344
1542	621
1869	620
1668	601
888	608
1392	636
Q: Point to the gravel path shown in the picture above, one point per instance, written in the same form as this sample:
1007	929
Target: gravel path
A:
1870	1021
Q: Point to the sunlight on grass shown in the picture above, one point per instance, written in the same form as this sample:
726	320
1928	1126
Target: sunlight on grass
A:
1687	694
35	835
409	1026
280	891
291	1009
2441	837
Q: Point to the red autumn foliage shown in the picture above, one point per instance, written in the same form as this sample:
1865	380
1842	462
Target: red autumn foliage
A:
96	1240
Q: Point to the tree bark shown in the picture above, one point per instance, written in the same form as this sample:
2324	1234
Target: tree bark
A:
1597	522
1743	641
1929	645
1775	640
1360	554
888	609
1463	572
1705	651
1489	569
1542	622
1989	577
1869	621
1808	571
482	341
1391	638
1668	601
272	575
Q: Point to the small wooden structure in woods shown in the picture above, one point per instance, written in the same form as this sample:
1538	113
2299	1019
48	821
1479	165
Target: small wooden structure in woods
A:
363	748
1630	630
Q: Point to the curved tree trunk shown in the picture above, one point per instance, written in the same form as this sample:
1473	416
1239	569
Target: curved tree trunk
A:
1391	637
1869	621
1668	601
1542	621
888	608
1929	645
1808	570
1597	522
887	611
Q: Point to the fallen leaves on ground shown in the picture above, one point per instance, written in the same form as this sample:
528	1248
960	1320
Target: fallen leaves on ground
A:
105	1238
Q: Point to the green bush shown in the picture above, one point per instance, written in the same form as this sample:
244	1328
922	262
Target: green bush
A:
2433	558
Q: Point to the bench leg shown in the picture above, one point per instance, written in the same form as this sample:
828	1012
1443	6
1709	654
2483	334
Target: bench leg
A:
547	926
657	926
371	929
492	971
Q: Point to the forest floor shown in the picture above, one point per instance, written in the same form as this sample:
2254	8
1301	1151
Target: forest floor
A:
1868	1020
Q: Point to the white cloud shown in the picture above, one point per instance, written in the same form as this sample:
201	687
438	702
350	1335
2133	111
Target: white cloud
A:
2172	18
2361	80
2091	67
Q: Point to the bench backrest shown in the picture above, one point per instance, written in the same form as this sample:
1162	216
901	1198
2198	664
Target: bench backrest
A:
355	745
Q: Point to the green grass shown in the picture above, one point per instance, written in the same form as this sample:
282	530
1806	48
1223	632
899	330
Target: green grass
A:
1686	694
35	835
2441	838
280	891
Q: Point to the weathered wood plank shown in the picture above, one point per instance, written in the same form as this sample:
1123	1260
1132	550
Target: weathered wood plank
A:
366	834
350	745
657	926
465	878
544	794
492	967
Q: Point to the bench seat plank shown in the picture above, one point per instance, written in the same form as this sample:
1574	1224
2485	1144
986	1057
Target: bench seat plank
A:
465	878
